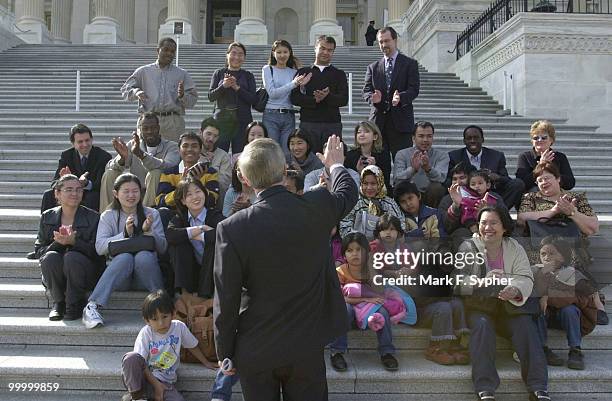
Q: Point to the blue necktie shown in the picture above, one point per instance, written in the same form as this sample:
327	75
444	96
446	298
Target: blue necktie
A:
389	73
83	161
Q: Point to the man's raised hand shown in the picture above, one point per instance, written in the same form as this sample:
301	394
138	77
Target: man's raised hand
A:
334	152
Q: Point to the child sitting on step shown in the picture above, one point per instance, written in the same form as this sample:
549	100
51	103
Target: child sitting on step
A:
149	372
366	307
566	300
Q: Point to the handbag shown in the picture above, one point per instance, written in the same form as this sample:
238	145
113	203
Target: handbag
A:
262	96
530	307
365	223
198	317
544	226
131	245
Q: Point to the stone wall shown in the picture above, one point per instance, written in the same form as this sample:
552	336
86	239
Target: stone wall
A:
561	65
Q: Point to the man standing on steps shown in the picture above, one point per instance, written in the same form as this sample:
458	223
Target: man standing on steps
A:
370	34
391	85
277	296
163	89
321	98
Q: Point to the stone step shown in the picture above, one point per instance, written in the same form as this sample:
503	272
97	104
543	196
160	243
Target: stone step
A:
79	368
195	396
29	293
32	327
18	220
16	242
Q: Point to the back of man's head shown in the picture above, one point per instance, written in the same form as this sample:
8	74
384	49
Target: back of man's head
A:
262	163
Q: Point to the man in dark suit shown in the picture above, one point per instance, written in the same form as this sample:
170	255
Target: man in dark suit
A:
86	162
370	34
277	296
391	85
477	157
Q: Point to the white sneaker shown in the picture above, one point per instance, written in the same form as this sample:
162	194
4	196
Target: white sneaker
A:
91	316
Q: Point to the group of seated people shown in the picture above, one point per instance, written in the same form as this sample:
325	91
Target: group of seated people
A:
160	203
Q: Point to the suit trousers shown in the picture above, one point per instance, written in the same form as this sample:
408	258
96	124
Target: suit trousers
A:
394	140
304	380
68	276
523	332
319	133
511	192
151	182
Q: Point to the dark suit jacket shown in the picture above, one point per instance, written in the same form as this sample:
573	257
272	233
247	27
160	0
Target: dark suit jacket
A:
278	251
96	162
183	257
405	80
491	159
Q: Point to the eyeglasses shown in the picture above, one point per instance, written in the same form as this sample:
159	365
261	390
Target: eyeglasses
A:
539	137
72	190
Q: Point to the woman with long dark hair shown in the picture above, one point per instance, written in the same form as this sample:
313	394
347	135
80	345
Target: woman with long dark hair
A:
279	78
233	91
137	269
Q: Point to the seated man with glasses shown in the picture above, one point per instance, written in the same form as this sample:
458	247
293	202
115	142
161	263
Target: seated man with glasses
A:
84	160
542	138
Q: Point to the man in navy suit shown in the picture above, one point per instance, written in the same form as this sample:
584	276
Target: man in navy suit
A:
391	85
480	157
277	296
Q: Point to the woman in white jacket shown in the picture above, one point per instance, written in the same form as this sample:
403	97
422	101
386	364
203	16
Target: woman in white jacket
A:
500	305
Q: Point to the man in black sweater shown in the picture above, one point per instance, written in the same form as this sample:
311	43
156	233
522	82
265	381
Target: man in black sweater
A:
321	96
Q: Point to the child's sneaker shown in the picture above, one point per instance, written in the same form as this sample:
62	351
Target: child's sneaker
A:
376	321
91	316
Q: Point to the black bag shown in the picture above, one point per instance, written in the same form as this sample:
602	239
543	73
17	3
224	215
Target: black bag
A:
131	245
543	227
530	307
262	96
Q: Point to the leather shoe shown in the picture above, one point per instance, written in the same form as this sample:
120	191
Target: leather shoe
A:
57	312
389	362
31	255
338	362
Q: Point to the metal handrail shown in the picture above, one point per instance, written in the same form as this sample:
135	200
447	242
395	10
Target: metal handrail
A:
501	11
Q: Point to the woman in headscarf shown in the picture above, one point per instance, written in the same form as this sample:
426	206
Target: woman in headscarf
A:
373	202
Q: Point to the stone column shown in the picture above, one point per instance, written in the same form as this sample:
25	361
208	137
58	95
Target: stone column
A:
61	14
397	9
325	23
104	28
251	30
178	11
196	24
126	20
30	15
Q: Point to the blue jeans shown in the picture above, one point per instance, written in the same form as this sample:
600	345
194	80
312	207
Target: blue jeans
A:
279	126
384	335
566	319
222	387
139	272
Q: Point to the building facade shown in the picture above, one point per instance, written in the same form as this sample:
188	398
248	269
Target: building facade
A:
203	21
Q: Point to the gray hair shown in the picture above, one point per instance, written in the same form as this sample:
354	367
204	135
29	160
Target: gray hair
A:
262	162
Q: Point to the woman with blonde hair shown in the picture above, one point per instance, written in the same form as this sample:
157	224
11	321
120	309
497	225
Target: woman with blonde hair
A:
368	151
542	138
